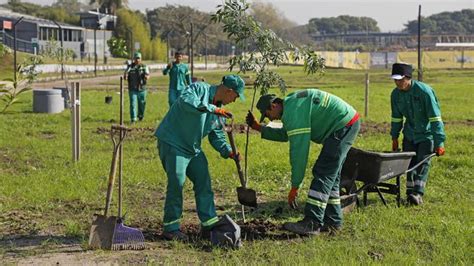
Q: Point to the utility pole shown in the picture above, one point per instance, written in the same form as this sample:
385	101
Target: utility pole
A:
192	52
131	42
205	50
95	52
420	70
14	48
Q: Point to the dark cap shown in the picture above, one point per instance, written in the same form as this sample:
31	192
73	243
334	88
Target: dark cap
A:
264	104
400	70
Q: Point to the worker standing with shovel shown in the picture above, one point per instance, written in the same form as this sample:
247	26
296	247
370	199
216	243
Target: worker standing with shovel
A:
192	117
312	115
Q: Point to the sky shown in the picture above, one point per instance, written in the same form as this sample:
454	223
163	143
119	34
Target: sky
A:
390	15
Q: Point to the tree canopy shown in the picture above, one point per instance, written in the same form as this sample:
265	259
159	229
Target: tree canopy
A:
342	24
458	22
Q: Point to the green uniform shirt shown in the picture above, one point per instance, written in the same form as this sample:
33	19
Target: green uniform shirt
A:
179	76
420	108
190	119
136	76
308	115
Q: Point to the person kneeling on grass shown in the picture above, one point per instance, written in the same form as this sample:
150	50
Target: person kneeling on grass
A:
312	115
192	117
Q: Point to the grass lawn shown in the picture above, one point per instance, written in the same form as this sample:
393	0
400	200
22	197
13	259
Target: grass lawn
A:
48	200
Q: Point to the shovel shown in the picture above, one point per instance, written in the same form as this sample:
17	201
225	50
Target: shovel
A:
246	196
108	232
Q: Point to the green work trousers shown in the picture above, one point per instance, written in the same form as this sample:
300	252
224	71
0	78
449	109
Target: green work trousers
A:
177	166
137	101
323	204
173	96
416	179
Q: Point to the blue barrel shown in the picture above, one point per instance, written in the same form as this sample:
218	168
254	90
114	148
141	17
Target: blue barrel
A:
48	101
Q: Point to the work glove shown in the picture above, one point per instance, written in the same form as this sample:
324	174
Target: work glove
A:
395	145
223	112
440	151
252	122
235	157
292	198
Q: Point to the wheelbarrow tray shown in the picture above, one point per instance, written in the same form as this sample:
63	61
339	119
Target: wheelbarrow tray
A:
375	167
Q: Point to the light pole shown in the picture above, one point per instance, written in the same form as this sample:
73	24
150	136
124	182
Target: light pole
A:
14	48
62	48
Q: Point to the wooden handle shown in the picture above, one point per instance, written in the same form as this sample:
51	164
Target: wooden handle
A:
236	159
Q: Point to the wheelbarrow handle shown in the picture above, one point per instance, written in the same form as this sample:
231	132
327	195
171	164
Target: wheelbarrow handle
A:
420	163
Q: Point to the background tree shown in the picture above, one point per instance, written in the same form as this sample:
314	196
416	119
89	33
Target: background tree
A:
342	24
136	23
111	6
458	22
174	21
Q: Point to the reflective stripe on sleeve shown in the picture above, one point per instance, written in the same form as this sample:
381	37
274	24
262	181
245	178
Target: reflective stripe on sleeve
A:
435	119
298	131
397	120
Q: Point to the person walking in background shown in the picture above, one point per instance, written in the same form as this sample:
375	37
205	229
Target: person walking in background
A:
137	75
423	130
193	116
312	115
180	77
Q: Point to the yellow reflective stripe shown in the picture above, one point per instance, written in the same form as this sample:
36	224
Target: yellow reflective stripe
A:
334	201
397	120
325	100
435	119
173	222
210	221
316	203
298	131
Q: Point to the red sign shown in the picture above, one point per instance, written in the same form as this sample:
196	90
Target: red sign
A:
7	25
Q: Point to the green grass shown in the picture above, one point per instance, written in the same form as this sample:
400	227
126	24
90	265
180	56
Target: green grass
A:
43	193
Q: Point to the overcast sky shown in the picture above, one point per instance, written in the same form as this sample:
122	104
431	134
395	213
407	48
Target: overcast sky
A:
390	15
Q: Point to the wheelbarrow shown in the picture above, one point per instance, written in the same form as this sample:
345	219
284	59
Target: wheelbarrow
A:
374	169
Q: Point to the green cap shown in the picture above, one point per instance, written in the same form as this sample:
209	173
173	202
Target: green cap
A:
236	83
264	103
137	55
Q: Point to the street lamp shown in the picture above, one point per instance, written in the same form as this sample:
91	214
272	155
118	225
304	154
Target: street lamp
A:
14	48
62	48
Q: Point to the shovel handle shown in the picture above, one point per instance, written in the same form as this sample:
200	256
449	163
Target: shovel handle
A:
237	162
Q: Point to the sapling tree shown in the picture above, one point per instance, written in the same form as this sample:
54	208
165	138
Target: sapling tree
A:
263	49
26	74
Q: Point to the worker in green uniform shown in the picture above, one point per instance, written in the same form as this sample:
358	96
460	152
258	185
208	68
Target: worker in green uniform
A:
423	130
192	117
180	77
312	115
137	75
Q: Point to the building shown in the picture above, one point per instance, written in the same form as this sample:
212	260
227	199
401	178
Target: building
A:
33	34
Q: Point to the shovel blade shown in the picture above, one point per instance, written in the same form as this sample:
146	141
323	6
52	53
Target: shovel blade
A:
247	196
102	232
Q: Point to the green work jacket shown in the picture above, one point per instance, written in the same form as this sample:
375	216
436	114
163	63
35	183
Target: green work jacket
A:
308	115
190	119
136	76
179	76
419	106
